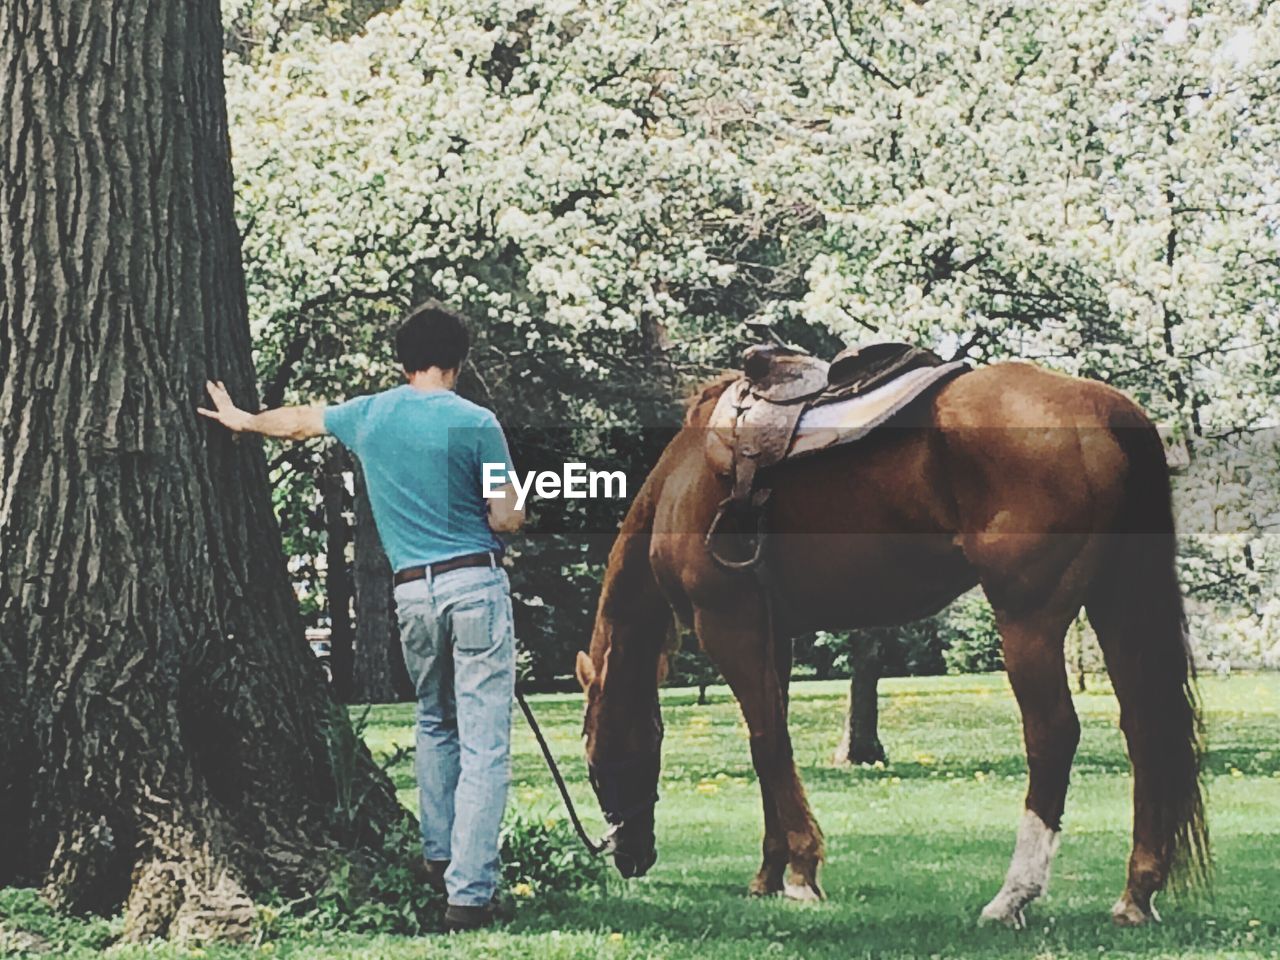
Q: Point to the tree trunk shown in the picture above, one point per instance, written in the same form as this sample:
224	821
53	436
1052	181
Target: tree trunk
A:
380	675
339	585
860	742
1077	640
166	744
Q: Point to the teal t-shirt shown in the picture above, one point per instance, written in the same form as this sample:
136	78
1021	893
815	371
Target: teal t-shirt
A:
422	454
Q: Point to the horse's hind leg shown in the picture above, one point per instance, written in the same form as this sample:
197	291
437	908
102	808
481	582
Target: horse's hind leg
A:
1033	652
1148	863
737	641
1141	639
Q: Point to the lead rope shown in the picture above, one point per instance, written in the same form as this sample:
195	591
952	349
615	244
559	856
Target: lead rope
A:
595	848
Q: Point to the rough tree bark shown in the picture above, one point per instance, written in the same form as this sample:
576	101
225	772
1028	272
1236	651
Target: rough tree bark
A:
165	739
339	585
860	741
380	675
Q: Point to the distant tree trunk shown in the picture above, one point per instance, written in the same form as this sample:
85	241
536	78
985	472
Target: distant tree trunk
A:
339	584
860	742
165	739
1077	637
380	675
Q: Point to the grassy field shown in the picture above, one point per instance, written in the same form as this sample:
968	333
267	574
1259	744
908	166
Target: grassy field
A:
914	850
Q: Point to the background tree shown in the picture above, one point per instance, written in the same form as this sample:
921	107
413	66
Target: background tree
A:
688	666
577	209
163	731
611	189
1088	185
970	638
380	675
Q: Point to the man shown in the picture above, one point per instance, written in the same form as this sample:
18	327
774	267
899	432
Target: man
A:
423	450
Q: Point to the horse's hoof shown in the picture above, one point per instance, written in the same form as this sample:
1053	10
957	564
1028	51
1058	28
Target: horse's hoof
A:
1005	912
764	887
1126	913
802	892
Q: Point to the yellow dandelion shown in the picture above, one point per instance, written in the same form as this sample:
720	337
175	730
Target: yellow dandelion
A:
615	938
522	890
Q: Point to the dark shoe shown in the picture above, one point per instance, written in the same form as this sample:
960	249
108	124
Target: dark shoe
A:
458	918
431	872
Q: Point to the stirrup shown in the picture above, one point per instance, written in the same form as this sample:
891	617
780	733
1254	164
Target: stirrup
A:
726	506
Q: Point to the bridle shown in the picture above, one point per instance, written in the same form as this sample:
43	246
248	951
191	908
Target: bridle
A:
626	786
617	784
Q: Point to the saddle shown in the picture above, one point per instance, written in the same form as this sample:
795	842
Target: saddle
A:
788	404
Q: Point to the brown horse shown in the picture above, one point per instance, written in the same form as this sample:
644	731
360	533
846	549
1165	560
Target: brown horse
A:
1049	491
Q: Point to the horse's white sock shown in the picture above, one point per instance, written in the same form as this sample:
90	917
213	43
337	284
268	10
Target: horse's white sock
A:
1028	875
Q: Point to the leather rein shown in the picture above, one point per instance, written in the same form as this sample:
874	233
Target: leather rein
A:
595	848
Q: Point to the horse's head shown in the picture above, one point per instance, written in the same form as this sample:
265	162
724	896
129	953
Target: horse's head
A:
622	730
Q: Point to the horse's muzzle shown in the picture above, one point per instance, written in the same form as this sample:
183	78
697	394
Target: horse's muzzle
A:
633	846
630	867
627	789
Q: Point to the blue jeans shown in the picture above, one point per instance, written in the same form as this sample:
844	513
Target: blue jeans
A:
460	650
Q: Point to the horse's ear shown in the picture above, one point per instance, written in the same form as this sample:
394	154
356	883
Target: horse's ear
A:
586	670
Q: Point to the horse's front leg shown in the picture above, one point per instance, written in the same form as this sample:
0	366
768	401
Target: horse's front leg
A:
738	642
769	878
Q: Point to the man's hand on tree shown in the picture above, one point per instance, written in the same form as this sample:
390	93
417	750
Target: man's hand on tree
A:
225	411
284	423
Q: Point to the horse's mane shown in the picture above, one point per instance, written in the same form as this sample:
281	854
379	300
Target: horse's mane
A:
702	401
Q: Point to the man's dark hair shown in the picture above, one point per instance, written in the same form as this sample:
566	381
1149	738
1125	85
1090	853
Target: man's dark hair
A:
433	335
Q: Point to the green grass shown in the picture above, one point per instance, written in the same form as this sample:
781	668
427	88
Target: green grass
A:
914	850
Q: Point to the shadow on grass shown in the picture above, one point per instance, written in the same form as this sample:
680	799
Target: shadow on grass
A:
924	907
884	921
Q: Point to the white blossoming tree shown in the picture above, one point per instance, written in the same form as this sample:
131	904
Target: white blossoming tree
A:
1087	185
612	188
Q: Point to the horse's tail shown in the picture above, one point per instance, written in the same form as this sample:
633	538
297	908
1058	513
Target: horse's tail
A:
1136	607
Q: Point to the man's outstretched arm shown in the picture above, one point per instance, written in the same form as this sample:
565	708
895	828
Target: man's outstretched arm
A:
287	423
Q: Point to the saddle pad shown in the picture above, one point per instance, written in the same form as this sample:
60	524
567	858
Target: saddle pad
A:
844	421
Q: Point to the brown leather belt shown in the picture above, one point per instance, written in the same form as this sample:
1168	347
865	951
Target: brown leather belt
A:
409	574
